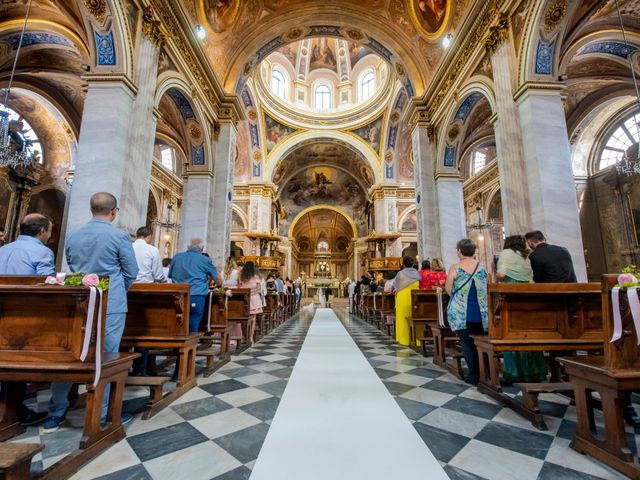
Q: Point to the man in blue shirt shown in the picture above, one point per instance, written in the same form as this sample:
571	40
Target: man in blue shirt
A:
99	247
28	255
194	268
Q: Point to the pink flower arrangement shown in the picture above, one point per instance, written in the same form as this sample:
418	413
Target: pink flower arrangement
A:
626	278
90	280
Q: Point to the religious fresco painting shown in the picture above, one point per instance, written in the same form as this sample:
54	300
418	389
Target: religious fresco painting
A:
410	223
371	134
290	52
430	15
236	221
220	14
164	62
323	55
275	132
322	186
357	52
242	166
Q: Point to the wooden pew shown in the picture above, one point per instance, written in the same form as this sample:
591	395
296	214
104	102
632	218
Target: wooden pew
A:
214	326
15	460
388	309
425	319
42	334
158	318
548	317
238	308
268	320
613	376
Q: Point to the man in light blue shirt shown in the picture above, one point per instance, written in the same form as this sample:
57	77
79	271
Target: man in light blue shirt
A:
99	247
28	255
194	268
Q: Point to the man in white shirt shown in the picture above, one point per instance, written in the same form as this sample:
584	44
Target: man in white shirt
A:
148	258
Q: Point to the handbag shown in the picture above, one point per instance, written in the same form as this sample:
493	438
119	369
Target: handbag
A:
467	281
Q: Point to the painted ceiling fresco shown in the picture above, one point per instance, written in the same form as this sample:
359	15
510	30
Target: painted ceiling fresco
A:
371	134
275	132
323	174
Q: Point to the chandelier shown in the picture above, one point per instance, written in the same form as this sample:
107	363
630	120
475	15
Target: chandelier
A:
629	164
13	156
170	225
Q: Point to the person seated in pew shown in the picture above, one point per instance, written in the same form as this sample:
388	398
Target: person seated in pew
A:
149	271
99	247
195	269
29	255
249	279
550	263
468	311
514	266
430	278
406	280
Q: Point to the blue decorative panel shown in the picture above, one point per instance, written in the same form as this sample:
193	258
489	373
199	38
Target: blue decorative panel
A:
246	98
182	103
324	30
400	102
418	198
450	157
197	155
466	106
105	48
255	136
267	48
388	172
256	169
229	195
391	141
618	49
380	49
37	38
544	58
409	87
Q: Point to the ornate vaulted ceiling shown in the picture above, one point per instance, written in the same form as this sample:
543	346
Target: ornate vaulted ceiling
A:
322	224
405	33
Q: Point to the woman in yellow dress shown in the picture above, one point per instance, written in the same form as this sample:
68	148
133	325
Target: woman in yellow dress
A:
406	280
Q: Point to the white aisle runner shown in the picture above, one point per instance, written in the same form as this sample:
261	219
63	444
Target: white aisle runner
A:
336	419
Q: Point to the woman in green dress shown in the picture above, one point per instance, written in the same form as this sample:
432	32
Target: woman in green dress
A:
514	267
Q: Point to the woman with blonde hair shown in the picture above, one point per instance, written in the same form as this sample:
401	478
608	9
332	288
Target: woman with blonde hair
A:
230	273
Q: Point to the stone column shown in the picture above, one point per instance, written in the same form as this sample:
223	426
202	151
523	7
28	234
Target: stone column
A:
423	138
219	236
260	199
451	214
511	164
103	151
548	176
385	204
141	133
197	205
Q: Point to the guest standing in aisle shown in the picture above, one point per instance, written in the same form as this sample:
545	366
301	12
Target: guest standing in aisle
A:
99	247
468	311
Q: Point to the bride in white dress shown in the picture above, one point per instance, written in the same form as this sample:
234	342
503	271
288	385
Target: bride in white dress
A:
321	301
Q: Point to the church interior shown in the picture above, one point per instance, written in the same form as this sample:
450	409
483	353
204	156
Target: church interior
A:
326	143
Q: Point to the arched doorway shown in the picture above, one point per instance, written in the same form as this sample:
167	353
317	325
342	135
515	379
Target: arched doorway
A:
323	246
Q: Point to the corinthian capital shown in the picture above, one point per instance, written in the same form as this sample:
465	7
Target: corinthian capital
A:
151	28
497	34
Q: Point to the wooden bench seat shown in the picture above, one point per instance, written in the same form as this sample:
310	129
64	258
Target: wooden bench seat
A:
552	317
43	330
613	377
530	393
158	318
15	460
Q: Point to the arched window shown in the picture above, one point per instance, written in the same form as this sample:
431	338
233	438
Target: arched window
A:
619	141
367	85
322	97
23	137
168	158
279	84
479	161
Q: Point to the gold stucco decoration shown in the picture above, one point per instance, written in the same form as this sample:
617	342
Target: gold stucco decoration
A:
97	8
257	155
497	35
294	33
151	28
195	132
400	69
554	15
355	34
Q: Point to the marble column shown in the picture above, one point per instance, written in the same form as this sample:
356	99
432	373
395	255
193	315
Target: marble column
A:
197	203
508	132
103	151
451	213
424	159
548	175
260	199
385	204
141	138
220	226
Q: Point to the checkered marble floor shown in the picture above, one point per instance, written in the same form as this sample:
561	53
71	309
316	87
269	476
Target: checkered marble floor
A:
217	429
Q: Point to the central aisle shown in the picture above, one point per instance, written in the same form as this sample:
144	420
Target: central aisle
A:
337	420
